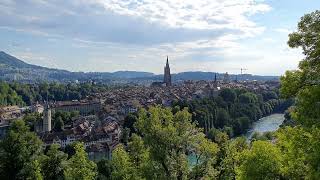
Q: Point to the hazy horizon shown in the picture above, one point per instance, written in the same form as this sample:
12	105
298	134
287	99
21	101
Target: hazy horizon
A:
110	36
156	74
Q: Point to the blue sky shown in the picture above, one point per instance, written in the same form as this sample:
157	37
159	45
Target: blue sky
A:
112	35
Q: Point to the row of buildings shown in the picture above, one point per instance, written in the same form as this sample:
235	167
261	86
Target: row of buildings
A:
99	122
99	132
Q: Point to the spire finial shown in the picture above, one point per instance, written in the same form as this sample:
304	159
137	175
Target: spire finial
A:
167	64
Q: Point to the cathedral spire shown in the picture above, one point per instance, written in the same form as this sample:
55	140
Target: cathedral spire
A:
167	74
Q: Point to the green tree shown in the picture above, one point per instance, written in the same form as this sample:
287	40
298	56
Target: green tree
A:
125	135
54	163
247	98
70	149
228	95
140	158
105	169
267	95
33	171
129	121
58	124
79	166
223	118
301	144
300	148
231	158
206	159
262	161
31	119
171	138
241	124
218	136
122	167
18	149
9	96
304	83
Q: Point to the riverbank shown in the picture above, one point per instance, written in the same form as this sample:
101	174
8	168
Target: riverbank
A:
265	124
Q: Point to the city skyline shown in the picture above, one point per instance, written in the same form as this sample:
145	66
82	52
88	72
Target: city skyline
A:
108	36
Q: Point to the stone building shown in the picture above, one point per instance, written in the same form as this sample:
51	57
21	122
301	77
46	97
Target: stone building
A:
83	107
46	124
167	74
226	78
47	119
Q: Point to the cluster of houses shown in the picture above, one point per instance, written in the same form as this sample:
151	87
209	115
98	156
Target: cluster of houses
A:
122	101
100	136
99	133
99	124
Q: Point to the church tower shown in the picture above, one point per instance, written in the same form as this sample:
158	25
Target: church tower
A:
167	75
215	82
46	126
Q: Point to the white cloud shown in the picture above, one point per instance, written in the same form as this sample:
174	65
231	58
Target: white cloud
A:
138	34
150	20
204	14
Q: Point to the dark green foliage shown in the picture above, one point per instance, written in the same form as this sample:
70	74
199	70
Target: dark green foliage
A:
234	108
31	119
269	95
18	149
241	124
27	94
54	163
218	136
223	118
161	151
288	119
301	144
247	98
70	150
21	157
60	118
228	95
125	136
262	136
129	121
58	124
8	96
79	165
229	157
104	169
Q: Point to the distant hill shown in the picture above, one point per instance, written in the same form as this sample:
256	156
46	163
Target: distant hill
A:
10	61
199	75
131	74
12	68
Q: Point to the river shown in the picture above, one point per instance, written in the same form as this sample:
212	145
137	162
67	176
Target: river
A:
268	123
